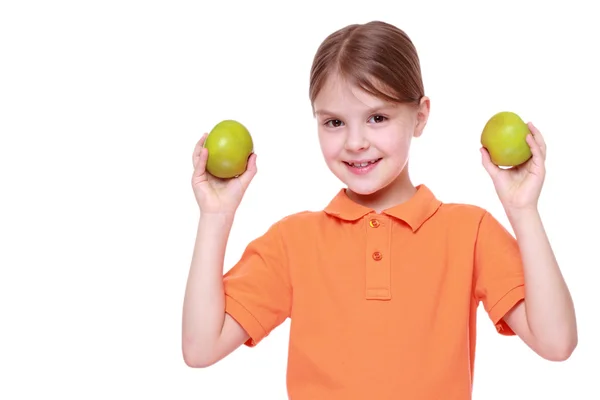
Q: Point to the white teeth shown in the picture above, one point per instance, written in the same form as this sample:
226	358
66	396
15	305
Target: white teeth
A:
361	165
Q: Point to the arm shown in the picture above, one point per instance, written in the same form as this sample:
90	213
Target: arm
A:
545	320
208	333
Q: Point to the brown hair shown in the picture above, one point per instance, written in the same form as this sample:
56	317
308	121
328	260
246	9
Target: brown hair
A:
376	56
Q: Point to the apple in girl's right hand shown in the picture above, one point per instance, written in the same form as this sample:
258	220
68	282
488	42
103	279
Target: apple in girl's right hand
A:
229	145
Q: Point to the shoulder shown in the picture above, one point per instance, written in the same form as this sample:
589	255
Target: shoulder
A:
470	218
462	212
284	234
305	227
300	221
477	220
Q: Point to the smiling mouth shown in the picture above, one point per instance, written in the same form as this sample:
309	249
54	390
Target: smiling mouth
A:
362	164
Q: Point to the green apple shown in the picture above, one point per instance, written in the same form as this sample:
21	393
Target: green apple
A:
229	145
504	138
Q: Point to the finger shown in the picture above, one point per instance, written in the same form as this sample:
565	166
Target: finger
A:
491	168
250	171
198	149
539	138
537	154
200	165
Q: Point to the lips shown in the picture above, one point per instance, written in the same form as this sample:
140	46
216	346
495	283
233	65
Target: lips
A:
362	167
361	163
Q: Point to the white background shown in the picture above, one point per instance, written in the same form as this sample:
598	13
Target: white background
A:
101	104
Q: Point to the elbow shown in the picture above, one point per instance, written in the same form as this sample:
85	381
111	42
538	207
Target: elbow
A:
193	361
195	357
561	351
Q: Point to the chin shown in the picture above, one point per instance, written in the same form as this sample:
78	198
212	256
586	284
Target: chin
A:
365	185
364	189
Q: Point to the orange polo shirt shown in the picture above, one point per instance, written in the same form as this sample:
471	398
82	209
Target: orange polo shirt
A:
382	305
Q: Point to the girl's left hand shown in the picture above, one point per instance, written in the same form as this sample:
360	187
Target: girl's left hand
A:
519	187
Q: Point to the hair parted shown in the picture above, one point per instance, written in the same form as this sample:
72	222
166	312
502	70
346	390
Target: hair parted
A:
376	56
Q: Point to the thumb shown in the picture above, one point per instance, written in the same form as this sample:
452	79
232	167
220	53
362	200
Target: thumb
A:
491	168
246	177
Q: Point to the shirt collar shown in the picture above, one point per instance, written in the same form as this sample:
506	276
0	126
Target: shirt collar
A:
415	211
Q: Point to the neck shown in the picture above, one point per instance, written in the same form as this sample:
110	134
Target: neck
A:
399	191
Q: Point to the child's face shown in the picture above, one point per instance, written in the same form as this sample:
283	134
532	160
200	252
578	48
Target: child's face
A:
364	140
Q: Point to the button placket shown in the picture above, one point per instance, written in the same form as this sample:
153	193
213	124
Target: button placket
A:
378	265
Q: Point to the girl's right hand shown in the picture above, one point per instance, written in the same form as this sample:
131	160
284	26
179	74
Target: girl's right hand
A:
215	195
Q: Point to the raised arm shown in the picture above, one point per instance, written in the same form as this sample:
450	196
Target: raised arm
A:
545	320
208	334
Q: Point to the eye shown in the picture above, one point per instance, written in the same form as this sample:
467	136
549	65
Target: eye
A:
334	123
377	119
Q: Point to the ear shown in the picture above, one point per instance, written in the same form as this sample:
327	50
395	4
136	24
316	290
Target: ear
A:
422	115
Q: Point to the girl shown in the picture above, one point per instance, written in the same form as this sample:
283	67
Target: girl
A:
382	286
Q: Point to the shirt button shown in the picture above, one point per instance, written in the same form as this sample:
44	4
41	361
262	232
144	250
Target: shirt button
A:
377	256
374	223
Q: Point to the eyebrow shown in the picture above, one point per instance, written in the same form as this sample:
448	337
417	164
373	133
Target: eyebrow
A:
322	112
373	110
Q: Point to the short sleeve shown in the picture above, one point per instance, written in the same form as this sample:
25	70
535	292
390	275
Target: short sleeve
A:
257	288
499	280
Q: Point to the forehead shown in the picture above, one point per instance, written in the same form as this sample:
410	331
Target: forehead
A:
339	94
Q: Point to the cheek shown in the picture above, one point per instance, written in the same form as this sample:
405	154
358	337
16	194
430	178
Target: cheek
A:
394	145
329	146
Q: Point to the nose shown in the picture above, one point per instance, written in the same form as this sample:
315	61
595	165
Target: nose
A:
356	140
